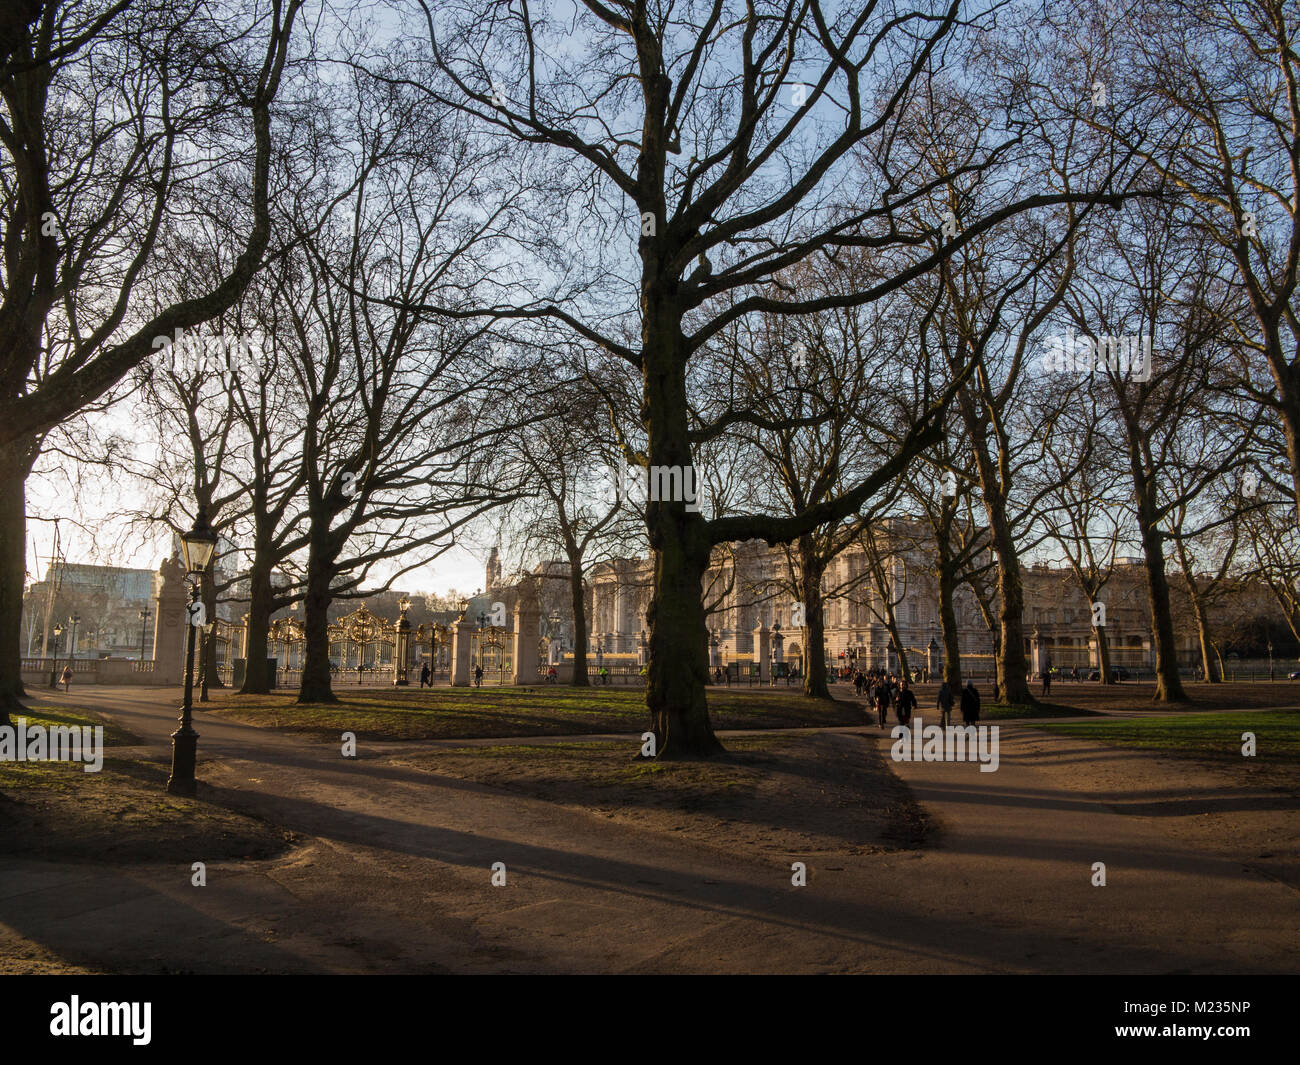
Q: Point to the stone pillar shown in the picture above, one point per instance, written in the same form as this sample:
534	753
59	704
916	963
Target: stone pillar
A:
762	651
243	641
462	670
1036	653
528	630
169	621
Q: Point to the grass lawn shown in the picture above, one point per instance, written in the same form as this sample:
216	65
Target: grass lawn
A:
1213	736
58	775
1006	711
57	811
486	713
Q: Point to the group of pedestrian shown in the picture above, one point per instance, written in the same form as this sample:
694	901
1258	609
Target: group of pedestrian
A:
885	690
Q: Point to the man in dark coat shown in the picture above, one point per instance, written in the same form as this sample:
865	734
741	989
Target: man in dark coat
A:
970	704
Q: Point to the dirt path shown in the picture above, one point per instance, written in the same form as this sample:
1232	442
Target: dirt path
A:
395	878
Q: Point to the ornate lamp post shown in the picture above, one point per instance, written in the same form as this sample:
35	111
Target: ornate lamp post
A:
144	617
54	660
203	660
198	546
401	644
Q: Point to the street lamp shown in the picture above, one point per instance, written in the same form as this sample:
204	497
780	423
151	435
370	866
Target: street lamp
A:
204	653
198	546
1270	657
54	660
401	644
144	616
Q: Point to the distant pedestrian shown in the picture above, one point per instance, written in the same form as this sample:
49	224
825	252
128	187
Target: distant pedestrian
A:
880	696
66	677
424	676
478	676
970	704
1047	680
945	704
906	702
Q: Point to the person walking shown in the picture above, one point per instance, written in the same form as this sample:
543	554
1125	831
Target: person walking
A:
478	676
881	698
906	702
970	704
945	704
424	676
1047	680
66	677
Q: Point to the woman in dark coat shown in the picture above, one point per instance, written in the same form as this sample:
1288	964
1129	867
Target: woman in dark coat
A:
970	704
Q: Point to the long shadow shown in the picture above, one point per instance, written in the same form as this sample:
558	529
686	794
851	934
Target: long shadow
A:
130	917
878	923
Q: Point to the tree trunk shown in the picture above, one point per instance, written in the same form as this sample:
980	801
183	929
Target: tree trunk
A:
811	569
578	597
315	686
1169	686
15	465
1206	641
948	625
1011	664
257	678
678	665
1103	654
208	667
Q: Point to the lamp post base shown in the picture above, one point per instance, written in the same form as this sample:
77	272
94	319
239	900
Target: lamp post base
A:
185	744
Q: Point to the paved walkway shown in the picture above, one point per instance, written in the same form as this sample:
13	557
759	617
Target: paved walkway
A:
394	877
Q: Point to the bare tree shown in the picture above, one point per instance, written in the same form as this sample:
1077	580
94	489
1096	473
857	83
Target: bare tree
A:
717	135
105	132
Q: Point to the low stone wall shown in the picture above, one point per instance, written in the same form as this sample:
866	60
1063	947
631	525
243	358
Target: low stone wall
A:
36	671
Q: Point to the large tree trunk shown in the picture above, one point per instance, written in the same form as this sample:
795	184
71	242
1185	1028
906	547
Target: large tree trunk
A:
1012	665
948	625
1010	662
678	667
15	465
315	685
257	678
811	569
1169	686
577	594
